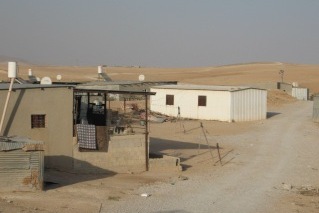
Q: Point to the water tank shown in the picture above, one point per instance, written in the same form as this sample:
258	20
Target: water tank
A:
12	69
99	69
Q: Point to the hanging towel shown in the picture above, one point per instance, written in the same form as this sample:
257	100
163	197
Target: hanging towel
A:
86	136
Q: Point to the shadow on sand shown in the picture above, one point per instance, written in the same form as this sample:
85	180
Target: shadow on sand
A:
158	147
272	114
59	177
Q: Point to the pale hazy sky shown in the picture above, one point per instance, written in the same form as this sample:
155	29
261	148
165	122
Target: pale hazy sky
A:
160	33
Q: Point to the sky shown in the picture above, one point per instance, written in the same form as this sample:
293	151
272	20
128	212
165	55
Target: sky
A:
160	33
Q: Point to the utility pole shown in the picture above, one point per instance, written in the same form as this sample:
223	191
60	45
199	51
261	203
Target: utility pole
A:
281	73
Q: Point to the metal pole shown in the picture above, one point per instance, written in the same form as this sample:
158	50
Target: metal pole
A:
210	150
146	133
220	159
6	104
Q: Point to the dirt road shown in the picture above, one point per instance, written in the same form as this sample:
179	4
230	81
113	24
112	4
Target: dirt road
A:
263	172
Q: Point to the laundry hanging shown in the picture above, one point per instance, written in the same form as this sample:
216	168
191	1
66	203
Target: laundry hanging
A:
86	136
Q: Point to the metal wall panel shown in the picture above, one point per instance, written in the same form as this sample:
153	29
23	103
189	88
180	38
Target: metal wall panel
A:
249	105
14	160
242	105
300	93
21	170
315	113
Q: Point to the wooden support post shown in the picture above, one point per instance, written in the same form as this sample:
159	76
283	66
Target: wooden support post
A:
105	110
220	159
146	133
6	104
210	150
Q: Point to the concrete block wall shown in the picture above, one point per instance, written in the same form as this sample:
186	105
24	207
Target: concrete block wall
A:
267	85
286	87
126	153
167	163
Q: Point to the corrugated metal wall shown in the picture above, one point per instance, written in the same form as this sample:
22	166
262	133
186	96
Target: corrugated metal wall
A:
20	170
249	105
242	105
315	113
300	93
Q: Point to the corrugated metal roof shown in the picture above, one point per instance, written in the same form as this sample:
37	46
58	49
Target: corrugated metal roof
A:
12	143
5	86
204	87
102	90
103	83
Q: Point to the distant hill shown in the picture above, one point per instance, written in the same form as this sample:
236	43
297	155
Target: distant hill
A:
5	59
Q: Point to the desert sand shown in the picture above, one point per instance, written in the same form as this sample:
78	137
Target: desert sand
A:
267	166
239	74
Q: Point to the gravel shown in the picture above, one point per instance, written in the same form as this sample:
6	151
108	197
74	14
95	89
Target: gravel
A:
281	149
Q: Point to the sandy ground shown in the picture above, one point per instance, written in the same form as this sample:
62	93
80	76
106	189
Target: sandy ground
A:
267	166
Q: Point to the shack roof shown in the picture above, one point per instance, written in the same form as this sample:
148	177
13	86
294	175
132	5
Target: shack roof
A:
204	87
13	143
105	90
91	89
103	86
103	83
5	86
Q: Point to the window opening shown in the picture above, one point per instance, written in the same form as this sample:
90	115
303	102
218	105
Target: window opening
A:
169	99
37	121
201	100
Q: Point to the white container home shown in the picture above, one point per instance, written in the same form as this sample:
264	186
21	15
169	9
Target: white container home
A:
222	103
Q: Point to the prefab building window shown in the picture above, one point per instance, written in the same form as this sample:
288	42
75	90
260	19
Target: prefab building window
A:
169	99
201	100
37	121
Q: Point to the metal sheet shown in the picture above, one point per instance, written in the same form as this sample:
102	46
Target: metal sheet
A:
21	170
300	93
315	114
12	143
249	105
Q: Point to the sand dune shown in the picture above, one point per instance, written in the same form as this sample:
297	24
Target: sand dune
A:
237	74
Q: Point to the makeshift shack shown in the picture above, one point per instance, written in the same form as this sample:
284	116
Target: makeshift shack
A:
21	164
84	128
294	90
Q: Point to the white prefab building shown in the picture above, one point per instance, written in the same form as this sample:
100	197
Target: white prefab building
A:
223	103
300	93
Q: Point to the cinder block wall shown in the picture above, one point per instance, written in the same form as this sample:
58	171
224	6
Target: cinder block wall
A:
285	87
166	163
125	154
267	85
